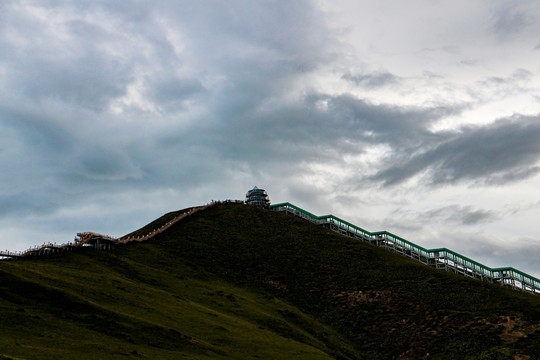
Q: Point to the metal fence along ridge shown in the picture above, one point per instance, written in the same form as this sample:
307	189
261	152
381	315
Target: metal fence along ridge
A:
441	258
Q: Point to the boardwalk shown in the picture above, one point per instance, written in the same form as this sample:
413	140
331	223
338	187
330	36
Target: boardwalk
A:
164	227
44	249
441	258
95	240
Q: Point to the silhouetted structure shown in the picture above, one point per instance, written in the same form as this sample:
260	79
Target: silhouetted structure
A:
257	197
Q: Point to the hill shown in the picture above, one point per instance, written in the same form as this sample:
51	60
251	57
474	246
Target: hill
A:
239	282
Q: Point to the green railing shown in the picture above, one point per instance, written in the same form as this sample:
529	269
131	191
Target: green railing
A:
441	258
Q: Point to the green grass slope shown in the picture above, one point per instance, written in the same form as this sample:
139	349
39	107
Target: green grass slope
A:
237	282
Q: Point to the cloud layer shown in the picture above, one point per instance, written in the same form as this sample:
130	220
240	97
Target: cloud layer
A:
110	110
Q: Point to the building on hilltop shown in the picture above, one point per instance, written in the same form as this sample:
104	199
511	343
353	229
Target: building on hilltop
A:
257	197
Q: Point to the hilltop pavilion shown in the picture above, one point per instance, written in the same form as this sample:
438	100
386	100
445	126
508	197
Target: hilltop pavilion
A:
257	197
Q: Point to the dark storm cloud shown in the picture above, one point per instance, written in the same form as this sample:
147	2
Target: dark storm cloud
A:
505	151
41	130
236	61
206	88
73	70
107	164
103	100
302	132
64	66
396	125
173	91
22	204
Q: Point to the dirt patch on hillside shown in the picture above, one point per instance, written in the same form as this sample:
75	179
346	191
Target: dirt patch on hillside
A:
513	327
275	284
359	297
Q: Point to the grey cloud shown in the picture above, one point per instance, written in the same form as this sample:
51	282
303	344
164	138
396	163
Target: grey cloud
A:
208	92
350	200
235	61
174	91
521	253
509	21
88	82
520	75
374	80
39	130
248	58
493	251
392	124
73	71
403	219
25	204
513	176
461	215
431	75
400	228
450	49
504	151
108	164
302	132
468	62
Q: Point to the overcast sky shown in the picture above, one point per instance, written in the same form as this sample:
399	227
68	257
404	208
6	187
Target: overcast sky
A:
417	117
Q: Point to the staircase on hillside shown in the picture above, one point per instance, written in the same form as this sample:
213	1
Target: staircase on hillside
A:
441	258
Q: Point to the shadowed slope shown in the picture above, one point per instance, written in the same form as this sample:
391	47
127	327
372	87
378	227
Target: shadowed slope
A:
241	282
440	258
134	303
387	305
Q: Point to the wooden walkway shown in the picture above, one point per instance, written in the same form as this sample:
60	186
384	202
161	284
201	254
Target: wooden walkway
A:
45	249
95	240
161	229
441	258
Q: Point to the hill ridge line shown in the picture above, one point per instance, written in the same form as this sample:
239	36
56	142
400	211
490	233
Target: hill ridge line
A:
98	241
440	258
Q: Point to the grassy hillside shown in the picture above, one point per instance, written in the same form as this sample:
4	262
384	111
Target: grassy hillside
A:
237	282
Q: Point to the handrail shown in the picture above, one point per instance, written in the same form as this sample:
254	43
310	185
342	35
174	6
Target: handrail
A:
441	258
99	241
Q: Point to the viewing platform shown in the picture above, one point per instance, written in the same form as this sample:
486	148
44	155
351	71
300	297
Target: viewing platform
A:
98	241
